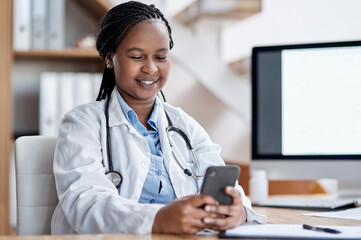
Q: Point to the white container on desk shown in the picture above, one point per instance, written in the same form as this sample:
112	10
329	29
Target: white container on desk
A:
258	185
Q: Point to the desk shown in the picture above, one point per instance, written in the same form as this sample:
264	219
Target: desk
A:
274	215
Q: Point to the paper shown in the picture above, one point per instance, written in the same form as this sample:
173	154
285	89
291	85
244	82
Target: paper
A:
352	213
294	231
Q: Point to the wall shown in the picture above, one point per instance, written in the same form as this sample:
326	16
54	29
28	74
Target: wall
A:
293	21
224	110
225	127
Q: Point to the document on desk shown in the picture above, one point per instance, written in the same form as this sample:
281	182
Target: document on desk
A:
290	231
352	213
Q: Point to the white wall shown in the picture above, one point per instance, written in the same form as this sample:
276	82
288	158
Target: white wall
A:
225	126
293	21
196	49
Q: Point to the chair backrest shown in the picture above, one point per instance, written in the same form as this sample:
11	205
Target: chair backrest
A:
35	185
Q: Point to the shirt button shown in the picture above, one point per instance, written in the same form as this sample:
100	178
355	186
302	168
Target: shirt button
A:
145	134
152	201
145	164
158	172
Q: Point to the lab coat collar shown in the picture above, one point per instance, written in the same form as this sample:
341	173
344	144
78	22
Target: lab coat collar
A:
116	115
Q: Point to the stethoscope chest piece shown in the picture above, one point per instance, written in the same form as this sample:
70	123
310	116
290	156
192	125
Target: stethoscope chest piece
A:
115	178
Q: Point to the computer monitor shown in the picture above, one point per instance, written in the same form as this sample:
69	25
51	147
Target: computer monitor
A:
306	111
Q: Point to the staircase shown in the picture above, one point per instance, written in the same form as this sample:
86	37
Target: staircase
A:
214	94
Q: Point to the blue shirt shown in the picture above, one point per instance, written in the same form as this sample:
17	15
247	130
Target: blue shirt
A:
157	187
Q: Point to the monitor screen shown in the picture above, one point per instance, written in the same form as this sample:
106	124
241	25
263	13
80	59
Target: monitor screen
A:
306	109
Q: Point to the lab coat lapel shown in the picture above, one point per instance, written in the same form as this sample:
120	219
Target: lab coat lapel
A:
166	148
116	115
176	175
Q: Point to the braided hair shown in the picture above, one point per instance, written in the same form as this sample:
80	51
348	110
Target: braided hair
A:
115	26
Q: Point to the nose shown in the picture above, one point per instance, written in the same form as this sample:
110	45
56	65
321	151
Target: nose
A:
149	67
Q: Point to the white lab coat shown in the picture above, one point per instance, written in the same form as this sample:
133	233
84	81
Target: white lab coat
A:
88	201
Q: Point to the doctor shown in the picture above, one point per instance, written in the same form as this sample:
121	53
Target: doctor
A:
118	167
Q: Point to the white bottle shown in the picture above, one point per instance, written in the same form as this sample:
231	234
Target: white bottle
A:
258	185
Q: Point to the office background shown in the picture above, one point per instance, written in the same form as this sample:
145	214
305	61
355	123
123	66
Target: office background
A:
210	76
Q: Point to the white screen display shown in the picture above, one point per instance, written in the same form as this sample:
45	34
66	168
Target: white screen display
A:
321	101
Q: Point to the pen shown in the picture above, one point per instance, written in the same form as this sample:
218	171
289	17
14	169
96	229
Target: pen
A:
327	230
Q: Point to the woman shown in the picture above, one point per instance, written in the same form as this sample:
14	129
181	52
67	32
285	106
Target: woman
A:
114	167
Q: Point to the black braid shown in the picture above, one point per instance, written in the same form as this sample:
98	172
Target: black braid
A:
115	26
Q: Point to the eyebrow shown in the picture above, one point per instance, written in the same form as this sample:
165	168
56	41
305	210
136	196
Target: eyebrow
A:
141	50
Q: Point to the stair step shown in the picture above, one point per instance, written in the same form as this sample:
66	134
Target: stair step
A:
229	9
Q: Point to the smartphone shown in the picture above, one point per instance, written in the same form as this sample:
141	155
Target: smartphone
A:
217	178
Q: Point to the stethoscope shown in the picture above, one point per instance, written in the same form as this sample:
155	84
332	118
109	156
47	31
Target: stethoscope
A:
116	178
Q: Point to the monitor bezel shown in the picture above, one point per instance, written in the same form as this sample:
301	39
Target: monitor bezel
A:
254	79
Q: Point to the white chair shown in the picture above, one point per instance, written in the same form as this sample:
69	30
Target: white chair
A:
35	185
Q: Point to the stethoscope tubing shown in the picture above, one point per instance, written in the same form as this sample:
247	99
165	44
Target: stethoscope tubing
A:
117	178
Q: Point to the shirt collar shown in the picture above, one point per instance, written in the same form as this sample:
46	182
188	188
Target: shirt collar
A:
132	117
153	120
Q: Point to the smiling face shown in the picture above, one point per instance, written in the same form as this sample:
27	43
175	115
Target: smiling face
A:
141	62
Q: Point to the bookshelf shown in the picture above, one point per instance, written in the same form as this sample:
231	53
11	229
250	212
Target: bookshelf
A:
6	61
66	54
96	8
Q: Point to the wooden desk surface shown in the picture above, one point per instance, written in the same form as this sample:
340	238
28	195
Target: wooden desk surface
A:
274	216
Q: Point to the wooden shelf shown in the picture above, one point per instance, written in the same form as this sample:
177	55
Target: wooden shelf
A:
64	54
96	8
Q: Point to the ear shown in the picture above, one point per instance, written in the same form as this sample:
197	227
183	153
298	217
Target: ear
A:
109	60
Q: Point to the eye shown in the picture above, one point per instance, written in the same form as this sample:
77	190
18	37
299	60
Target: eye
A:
136	57
161	57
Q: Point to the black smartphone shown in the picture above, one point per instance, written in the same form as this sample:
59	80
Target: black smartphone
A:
217	178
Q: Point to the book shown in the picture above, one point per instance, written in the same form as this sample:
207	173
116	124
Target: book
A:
55	31
38	18
66	94
22	25
97	80
48	104
83	88
62	91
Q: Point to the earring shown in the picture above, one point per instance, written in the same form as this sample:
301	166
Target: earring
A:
108	64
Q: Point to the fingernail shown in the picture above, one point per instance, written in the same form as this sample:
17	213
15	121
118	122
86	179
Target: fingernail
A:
207	208
207	220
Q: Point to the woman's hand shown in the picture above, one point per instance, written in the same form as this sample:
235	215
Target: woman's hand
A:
183	215
222	217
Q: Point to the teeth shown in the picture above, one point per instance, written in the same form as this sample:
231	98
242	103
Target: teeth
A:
147	82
